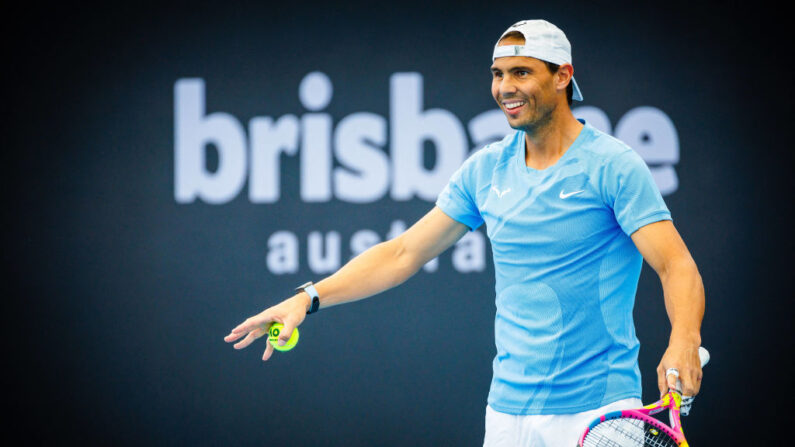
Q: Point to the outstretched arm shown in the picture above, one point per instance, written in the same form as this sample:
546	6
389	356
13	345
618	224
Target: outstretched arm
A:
379	268
663	248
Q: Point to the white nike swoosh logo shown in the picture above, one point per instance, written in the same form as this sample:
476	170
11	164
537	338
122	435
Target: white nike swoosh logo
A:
500	193
569	194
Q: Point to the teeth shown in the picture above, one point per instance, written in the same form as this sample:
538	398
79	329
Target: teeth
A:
513	105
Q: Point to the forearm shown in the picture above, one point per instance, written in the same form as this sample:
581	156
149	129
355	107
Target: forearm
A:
377	269
684	301
381	267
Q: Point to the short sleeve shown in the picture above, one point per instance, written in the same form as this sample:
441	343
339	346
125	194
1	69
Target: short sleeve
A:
632	194
457	199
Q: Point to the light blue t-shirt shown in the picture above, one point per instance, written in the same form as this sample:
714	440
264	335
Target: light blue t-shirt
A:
566	268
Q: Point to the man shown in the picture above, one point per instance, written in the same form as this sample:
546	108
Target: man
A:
570	213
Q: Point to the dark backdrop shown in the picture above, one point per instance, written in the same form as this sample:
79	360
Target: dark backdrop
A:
118	296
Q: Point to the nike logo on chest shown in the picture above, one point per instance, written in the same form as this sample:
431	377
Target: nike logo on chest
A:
569	194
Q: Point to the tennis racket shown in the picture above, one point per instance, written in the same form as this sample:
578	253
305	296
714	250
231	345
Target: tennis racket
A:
637	428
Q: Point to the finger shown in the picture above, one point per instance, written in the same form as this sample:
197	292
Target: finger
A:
251	323
253	335
268	352
246	326
671	379
287	332
691	383
233	336
661	382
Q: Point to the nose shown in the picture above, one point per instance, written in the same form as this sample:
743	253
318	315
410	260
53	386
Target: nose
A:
507	86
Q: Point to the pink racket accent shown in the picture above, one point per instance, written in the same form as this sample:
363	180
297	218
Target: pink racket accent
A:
670	401
648	430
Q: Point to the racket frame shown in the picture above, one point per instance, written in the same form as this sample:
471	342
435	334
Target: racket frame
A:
671	401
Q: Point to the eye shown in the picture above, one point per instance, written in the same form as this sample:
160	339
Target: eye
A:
522	73
496	74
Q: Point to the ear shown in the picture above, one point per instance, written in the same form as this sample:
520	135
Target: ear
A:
563	76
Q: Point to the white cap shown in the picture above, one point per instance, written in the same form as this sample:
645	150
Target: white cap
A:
542	40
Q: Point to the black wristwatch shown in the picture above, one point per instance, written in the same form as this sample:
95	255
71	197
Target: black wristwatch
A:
312	292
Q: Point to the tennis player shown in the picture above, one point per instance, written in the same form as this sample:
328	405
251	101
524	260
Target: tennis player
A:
571	214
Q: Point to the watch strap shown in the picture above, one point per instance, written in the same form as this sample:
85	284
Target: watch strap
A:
310	290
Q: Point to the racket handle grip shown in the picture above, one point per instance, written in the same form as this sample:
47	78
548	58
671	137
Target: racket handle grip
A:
686	405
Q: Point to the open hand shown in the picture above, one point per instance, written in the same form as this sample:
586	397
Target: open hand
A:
290	312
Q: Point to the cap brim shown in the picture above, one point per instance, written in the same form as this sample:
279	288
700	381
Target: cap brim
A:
576	94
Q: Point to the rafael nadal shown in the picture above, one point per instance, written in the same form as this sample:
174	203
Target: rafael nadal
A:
571	214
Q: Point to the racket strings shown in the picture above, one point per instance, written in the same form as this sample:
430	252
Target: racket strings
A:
626	432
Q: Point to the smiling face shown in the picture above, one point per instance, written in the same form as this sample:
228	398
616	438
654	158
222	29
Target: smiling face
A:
526	90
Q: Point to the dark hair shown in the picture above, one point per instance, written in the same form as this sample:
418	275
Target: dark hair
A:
553	68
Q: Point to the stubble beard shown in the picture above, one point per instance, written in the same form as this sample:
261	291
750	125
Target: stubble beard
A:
538	120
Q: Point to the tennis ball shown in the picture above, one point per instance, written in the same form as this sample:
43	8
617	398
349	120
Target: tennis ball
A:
273	337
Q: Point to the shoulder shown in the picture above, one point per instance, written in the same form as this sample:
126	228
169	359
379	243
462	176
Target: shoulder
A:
477	171
605	153
603	147
495	153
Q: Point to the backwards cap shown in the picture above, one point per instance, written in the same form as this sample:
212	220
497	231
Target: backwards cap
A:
542	40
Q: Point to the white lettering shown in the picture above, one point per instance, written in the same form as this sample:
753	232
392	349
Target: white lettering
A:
432	265
367	169
316	157
323	250
282	255
268	141
409	128
315	91
356	145
193	131
324	257
652	134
